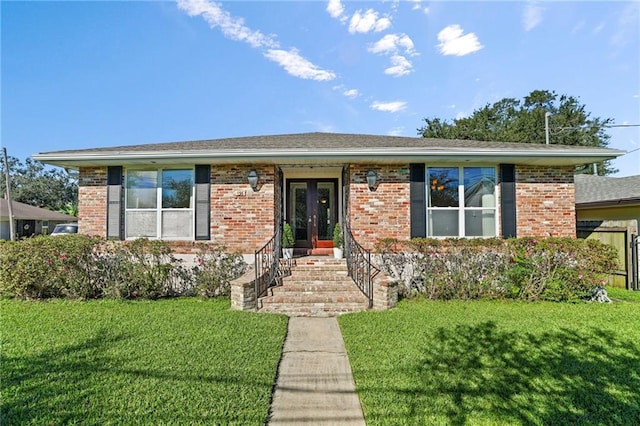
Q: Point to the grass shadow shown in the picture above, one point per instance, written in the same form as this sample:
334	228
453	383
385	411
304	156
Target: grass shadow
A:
467	374
36	386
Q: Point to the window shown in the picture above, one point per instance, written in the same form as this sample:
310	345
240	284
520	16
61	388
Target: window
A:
461	202
159	204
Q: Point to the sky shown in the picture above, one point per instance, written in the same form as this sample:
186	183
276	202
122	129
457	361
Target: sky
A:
87	74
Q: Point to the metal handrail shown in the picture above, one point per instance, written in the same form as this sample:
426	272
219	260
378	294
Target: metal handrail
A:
266	265
361	270
269	266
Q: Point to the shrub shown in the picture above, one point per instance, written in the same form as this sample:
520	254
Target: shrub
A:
556	269
77	266
288	240
45	267
215	270
338	238
140	268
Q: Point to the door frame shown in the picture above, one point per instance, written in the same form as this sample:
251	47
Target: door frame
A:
312	241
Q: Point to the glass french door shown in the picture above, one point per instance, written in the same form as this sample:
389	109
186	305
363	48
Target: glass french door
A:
312	211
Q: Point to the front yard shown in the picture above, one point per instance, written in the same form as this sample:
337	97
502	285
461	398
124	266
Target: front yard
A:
188	361
492	362
180	361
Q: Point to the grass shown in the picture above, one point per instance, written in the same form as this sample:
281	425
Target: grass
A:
181	361
498	363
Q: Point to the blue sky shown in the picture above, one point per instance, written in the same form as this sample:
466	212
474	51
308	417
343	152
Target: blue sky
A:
84	74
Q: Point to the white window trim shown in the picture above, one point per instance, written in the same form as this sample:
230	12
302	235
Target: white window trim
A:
159	209
461	207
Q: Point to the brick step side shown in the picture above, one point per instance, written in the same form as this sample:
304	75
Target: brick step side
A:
317	277
296	297
314	310
315	286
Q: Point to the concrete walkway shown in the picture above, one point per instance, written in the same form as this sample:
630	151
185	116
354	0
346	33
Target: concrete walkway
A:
315	385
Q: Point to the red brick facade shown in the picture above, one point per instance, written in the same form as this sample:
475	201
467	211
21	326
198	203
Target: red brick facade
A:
243	219
384	212
92	201
545	201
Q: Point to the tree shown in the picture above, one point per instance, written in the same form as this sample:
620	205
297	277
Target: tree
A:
512	120
34	184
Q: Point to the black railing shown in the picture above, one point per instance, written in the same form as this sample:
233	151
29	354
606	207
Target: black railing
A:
269	266
266	265
359	264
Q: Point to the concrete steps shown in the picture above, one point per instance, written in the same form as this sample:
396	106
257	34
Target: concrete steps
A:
317	286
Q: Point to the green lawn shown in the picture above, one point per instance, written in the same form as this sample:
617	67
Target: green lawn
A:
181	361
496	363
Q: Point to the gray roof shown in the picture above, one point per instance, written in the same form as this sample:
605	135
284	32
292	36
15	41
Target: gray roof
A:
603	190
327	147
28	212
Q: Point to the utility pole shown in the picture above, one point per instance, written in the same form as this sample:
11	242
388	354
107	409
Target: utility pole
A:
12	230
546	126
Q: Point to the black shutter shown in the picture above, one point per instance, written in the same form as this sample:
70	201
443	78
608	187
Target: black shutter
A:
203	201
508	200
418	203
114	203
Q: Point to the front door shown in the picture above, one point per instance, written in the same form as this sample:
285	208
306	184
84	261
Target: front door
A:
312	211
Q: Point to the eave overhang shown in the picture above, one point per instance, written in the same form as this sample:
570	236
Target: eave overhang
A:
555	157
625	202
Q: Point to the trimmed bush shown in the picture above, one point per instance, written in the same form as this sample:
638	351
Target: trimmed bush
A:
216	269
46	267
80	267
555	269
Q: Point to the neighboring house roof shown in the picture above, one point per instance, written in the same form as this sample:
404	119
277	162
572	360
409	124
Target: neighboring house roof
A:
592	191
328	148
23	211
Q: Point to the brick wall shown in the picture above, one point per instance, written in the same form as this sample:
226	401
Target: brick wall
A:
383	213
545	201
92	201
242	219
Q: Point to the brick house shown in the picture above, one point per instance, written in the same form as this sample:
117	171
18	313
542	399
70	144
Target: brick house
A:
237	191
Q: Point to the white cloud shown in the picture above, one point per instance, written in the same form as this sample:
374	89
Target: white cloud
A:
626	28
335	8
391	43
389	106
351	93
233	28
364	22
400	66
321	126
298	66
531	16
598	29
453	42
396	131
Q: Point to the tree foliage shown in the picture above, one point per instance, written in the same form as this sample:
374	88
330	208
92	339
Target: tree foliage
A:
512	120
34	184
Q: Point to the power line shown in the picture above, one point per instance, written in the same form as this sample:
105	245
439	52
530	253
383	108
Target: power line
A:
604	126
